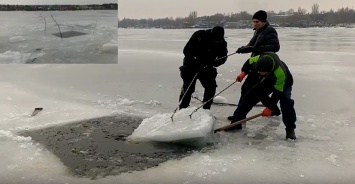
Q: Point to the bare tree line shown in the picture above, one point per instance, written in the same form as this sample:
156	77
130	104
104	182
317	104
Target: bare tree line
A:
290	18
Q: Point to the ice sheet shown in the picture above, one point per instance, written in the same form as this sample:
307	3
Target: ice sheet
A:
160	127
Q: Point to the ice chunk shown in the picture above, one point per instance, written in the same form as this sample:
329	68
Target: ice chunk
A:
126	101
17	39
219	99
11	136
159	128
14	57
152	102
110	47
310	120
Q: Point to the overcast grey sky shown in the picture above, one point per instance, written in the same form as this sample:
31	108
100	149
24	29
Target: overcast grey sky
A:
181	8
35	2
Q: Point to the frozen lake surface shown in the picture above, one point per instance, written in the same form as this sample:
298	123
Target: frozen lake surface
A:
34	37
103	103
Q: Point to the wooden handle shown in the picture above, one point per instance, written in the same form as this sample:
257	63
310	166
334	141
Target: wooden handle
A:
237	123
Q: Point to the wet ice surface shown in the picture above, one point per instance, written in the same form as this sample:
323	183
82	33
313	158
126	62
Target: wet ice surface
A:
146	82
27	38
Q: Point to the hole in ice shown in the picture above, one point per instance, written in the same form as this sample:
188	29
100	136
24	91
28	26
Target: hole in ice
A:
97	147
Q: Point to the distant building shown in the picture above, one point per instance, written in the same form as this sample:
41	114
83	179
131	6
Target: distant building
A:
201	24
238	25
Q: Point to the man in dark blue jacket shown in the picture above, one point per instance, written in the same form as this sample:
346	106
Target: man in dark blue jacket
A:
201	52
274	78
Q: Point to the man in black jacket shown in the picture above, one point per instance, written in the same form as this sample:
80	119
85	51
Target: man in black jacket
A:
276	79
265	39
201	52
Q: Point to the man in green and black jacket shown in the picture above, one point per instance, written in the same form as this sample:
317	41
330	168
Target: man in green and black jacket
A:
265	39
276	79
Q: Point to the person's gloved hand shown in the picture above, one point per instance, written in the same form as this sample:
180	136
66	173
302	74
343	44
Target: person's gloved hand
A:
244	49
266	112
240	77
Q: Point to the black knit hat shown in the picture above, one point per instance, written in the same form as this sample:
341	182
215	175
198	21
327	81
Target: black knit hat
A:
218	32
260	15
264	64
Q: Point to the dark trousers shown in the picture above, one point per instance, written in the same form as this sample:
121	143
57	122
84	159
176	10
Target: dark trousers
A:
251	80
248	100
207	77
287	109
256	94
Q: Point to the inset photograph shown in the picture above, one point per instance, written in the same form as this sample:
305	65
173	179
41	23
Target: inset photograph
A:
58	32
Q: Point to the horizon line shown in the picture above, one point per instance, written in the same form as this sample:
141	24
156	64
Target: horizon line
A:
54	4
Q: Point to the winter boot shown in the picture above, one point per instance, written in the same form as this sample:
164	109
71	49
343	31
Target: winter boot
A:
230	118
291	134
238	127
276	112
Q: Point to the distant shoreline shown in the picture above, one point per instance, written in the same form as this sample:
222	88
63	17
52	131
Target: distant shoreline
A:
46	10
110	6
